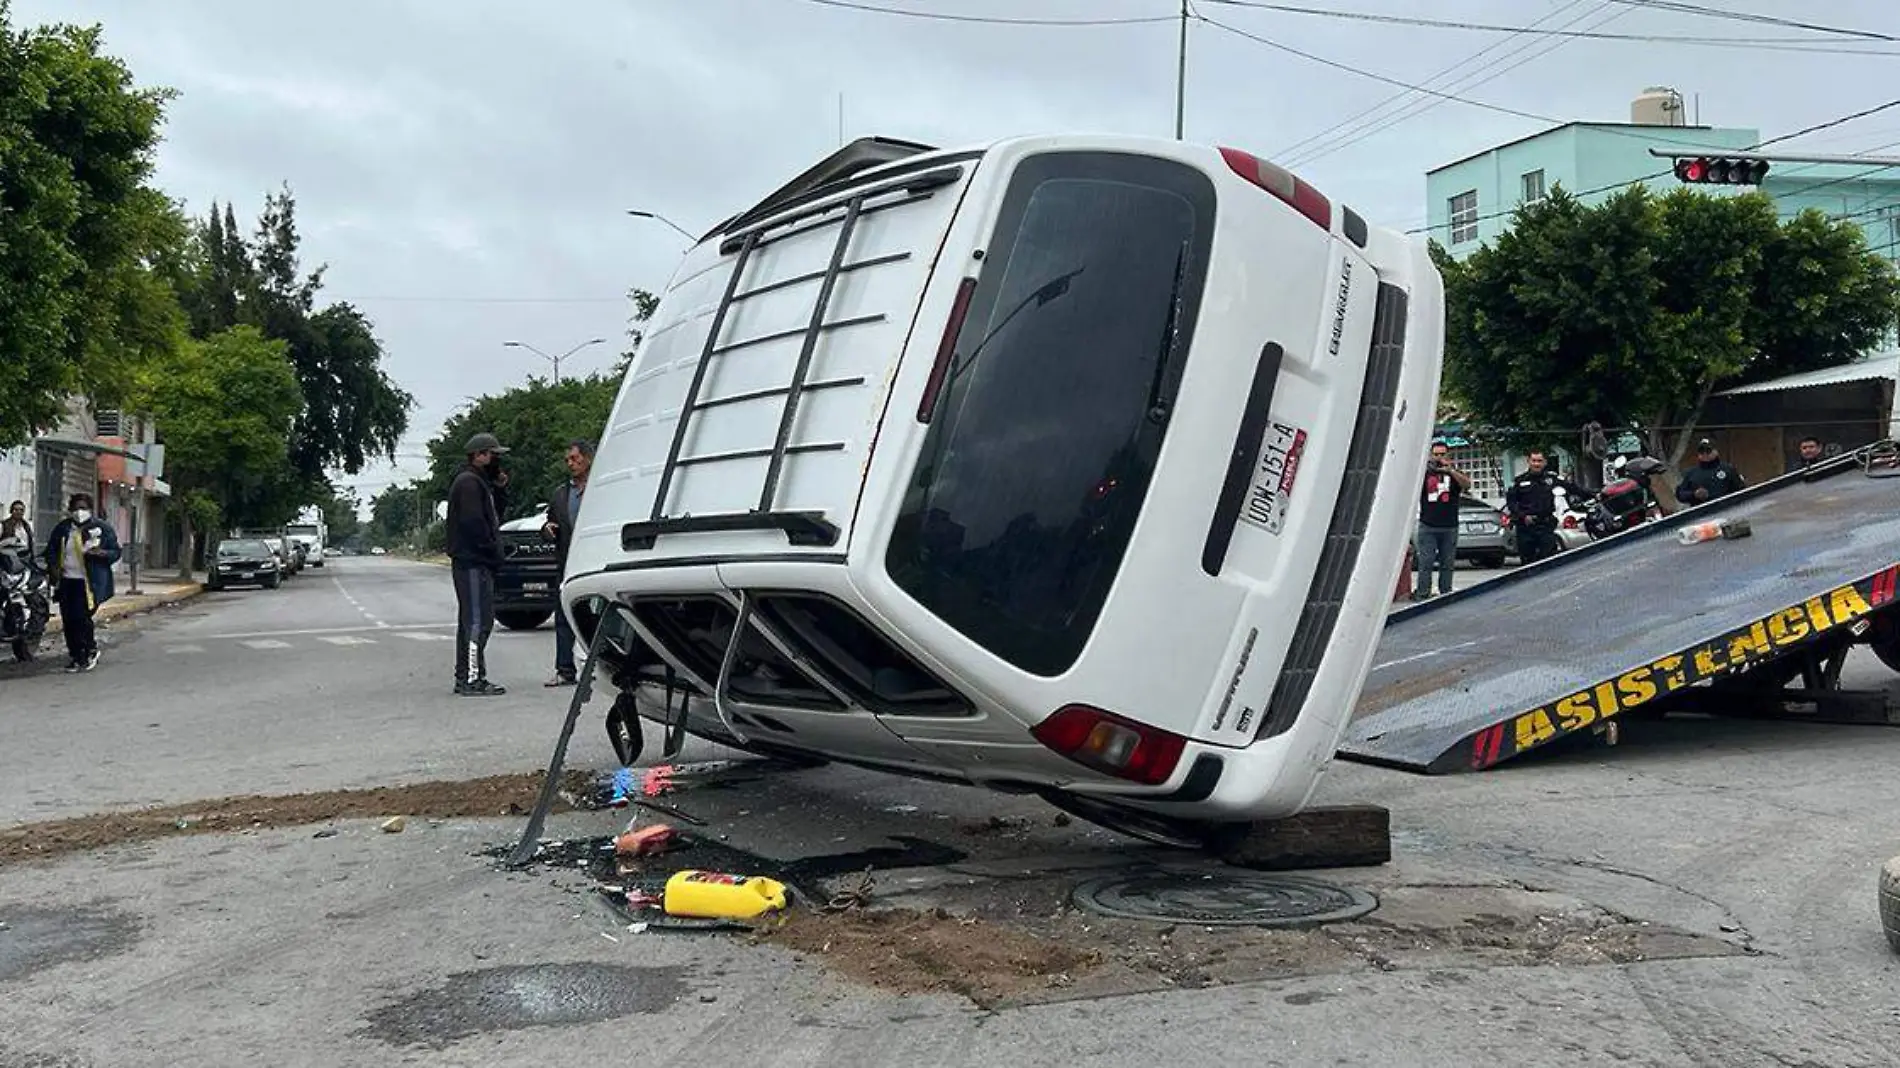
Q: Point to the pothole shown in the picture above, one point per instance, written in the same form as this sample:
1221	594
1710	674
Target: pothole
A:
515	998
32	939
1223	899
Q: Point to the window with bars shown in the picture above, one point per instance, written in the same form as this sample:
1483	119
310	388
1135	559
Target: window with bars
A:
1486	468
1464	217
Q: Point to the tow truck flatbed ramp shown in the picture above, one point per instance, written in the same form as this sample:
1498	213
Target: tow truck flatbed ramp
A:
1493	671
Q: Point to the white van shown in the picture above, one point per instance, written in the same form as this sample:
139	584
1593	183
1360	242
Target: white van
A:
1081	466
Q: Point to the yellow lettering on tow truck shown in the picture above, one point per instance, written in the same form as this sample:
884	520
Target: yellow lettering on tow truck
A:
1636	688
1848	605
1748	645
1673	677
1574	712
1788	626
1705	662
1534	729
1817	614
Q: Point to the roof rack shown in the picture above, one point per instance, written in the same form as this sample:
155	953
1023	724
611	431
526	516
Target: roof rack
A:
858	156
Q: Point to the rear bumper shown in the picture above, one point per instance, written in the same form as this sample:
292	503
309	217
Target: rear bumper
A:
527	587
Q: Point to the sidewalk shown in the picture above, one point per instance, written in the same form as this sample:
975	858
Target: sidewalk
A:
152	594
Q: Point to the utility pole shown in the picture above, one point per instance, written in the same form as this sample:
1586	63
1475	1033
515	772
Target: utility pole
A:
1180	79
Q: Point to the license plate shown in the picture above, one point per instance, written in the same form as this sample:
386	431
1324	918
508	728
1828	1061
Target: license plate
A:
1267	499
1478	528
247	574
540	586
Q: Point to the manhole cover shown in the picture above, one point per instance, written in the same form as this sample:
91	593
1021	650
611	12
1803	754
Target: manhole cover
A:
1226	899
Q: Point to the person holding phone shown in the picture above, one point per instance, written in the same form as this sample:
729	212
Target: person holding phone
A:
474	537
80	553
563	513
1438	505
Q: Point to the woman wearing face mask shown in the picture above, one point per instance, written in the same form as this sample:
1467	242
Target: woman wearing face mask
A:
80	553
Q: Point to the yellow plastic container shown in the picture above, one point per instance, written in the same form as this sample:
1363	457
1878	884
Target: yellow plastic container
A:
716	895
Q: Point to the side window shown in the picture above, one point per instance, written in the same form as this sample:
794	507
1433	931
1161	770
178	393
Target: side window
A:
1464	217
1532	186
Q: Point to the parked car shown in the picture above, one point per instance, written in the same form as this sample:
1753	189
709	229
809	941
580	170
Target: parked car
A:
244	562
529	578
1484	538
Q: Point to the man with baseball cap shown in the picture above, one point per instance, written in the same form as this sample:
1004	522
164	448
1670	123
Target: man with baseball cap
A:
1712	477
474	534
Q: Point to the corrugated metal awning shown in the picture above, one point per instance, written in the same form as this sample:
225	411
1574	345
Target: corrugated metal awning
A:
1886	365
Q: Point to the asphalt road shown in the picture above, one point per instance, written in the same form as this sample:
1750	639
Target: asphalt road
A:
341	678
1742	856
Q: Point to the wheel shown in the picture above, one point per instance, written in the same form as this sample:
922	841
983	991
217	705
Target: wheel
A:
1888	651
1490	560
24	650
524	619
1890	902
214	587
273	582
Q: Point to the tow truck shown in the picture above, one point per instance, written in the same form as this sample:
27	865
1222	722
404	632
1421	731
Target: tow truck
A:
1647	623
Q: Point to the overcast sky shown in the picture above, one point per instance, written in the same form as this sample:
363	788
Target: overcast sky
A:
464	166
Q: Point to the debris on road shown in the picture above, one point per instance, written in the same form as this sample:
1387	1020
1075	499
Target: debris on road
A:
712	895
394	825
645	842
327	832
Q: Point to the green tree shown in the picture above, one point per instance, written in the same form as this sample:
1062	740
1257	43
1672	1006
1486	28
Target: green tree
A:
340	508
79	225
642	305
226	404
396	513
536	421
1633	311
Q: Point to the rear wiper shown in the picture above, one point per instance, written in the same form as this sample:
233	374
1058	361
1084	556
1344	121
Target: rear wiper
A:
1041	295
1158	409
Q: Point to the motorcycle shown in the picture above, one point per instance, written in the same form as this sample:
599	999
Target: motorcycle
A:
25	604
1627	501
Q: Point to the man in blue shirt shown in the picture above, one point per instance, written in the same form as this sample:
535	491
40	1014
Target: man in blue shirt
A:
563	513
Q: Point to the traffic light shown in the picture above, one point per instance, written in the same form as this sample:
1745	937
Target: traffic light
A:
1717	170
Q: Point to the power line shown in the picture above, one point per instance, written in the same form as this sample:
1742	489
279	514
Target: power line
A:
988	20
1796	44
1816	128
1352	123
1535	48
1765	20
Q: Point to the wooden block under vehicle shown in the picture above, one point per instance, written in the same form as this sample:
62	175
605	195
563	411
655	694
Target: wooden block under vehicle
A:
1335	836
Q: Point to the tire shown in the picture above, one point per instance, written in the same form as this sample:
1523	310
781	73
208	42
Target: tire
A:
524	619
1890	902
25	651
1492	561
273	582
1888	651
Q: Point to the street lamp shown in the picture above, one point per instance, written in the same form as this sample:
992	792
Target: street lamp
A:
657	217
555	360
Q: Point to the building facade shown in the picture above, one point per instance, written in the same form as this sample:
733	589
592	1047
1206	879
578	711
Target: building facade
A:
1470	201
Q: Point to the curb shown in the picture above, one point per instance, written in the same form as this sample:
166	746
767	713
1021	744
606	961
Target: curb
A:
124	605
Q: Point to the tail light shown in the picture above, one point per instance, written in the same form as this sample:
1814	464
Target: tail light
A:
1282	183
1570	522
946	350
1111	744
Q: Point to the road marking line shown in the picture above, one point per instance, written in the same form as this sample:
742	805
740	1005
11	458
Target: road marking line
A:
185	649
347	639
267	644
425	636
312	631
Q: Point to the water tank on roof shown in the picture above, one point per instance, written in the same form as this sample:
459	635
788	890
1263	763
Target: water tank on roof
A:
1658	105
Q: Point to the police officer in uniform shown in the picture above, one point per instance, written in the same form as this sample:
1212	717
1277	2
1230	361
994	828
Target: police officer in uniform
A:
1712	477
1532	504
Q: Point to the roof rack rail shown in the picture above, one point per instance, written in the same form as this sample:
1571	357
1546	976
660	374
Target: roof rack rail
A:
858	156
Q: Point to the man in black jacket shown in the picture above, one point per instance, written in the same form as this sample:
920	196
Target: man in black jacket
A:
562	515
1532	504
1710	478
474	530
80	552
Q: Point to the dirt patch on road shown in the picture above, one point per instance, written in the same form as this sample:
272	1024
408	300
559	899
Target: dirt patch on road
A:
935	953
496	795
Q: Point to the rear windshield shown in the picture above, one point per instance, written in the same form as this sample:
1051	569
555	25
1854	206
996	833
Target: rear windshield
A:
243	548
308	532
1053	411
